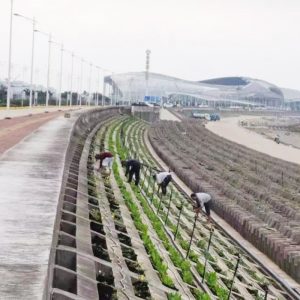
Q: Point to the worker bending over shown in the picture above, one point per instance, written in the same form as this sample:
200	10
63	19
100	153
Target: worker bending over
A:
163	179
106	160
133	167
201	200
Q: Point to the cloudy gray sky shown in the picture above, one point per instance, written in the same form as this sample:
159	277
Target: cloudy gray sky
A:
190	39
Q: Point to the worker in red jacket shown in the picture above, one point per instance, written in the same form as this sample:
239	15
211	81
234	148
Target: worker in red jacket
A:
106	159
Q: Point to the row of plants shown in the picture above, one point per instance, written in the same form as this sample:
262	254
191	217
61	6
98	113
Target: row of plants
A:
140	287
183	264
211	276
106	285
155	257
225	244
224	205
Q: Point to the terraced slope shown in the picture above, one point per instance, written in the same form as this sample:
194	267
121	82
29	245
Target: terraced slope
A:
257	194
119	241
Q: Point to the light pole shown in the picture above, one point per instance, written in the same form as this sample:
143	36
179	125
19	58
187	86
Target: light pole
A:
72	68
49	63
48	72
111	90
61	66
98	84
33	21
148	52
9	56
90	82
103	92
80	84
61	70
72	75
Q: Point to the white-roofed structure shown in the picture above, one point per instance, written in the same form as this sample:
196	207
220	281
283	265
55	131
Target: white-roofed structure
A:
227	91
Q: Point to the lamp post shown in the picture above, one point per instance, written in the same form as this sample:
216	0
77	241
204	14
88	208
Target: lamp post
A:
80	83
90	83
111	90
104	87
49	63
33	21
61	69
60	78
48	72
9	56
72	69
98	84
148	52
72	75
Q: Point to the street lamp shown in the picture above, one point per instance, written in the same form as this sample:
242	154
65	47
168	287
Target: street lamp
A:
72	69
61	67
49	61
9	56
97	85
33	21
81	79
61	70
104	88
90	81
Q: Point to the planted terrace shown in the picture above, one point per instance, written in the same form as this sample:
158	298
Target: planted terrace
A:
118	241
216	257
257	194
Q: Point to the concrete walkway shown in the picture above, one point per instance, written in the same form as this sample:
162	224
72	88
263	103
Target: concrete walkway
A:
30	181
229	128
165	114
18	112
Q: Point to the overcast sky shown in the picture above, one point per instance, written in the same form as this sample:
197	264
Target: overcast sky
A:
189	39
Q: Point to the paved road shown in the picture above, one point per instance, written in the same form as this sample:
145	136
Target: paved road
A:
12	131
229	128
19	112
22	122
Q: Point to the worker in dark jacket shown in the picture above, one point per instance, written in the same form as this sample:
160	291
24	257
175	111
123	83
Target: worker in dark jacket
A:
163	179
133	167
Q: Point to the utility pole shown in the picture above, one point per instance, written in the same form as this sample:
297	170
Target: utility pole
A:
72	68
103	92
9	56
148	52
48	72
81	79
61	70
90	83
33	21
32	63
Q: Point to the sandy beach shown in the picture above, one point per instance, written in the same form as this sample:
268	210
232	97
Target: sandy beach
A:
230	129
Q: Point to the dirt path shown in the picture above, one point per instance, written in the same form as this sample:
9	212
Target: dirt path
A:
229	128
12	131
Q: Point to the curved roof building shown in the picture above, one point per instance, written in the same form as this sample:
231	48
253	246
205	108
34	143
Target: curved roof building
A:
133	87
